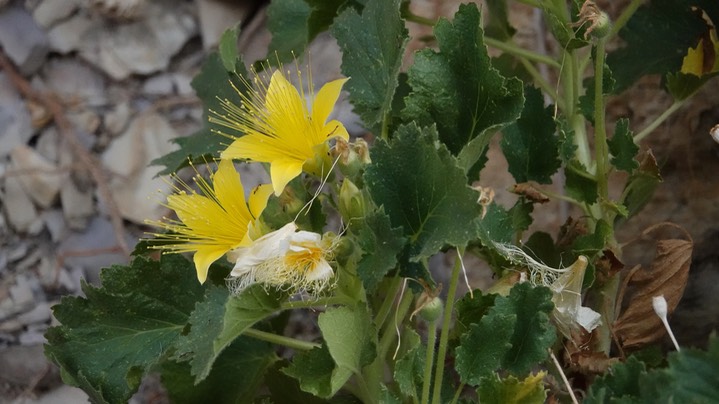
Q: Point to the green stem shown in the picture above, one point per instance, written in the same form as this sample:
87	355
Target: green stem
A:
411	17
366	394
444	336
608	300
659	120
280	340
537	76
388	301
625	16
457	393
520	52
388	332
429	360
601	150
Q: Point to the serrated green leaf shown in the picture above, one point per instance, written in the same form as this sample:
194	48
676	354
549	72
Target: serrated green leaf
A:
409	368
580	184
619	384
237	373
657	37
285	389
350	336
498	25
212	84
458	90
295	23
521	214
428	196
682	86
533	332
317	373
228	48
567	147
220	319
496	226
372	48
471	308
641	184
493	390
380	244
481	349
623	148
541	247
109	339
560	26
529	144
591	244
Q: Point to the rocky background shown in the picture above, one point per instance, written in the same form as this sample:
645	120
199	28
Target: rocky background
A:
92	90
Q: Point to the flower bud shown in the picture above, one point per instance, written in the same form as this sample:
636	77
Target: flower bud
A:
601	25
352	156
352	201
432	309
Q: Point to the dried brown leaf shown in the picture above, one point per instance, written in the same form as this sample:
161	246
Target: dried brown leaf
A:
638	325
530	192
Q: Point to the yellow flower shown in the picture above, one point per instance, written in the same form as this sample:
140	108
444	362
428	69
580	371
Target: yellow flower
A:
285	258
212	222
280	129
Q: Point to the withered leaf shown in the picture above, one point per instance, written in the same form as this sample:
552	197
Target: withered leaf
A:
530	192
638	325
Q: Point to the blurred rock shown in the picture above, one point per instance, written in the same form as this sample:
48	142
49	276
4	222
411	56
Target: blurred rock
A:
162	84
143	46
75	82
48	144
61	395
39	177
23	365
14	118
116	120
133	184
218	15
22	39
118	9
77	204
49	12
66	36
55	224
92	249
18	206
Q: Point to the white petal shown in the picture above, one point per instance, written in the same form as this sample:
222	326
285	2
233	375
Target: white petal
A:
321	271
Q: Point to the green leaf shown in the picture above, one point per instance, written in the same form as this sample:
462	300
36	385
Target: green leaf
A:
409	368
533	332
529	144
498	25
496	226
682	86
619	384
623	149
285	389
493	390
657	37
112	337
586	101
228	48
561	27
317	373
481	349
372	48
591	244
237	372
350	336
380	245
641	184
428	196
580	184
521	214
458	90
213	84
471	308
219	320
295	23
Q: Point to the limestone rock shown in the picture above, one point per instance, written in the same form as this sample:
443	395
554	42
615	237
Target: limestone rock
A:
22	39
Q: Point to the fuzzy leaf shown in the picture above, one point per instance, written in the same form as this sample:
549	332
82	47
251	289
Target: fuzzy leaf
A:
372	48
112	337
623	148
228	48
409	368
580	184
380	244
620	384
350	336
529	144
219	320
458	90
427	197
493	390
317	373
496	226
481	349
657	38
237	372
641	184
498	25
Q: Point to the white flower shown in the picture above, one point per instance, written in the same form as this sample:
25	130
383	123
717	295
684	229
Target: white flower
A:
285	258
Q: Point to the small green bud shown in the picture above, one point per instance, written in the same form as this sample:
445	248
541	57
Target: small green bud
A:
352	201
432	309
352	157
601	26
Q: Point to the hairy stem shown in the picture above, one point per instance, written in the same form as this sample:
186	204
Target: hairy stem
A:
520	52
429	360
625	16
601	151
444	336
659	120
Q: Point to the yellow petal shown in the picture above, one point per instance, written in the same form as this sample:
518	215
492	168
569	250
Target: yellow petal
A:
326	99
335	128
204	257
228	189
258	199
282	172
285	107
